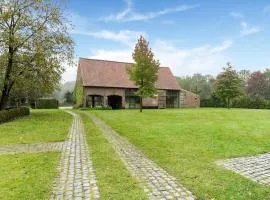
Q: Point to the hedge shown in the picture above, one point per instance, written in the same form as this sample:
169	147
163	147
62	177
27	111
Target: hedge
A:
46	103
10	114
251	102
97	108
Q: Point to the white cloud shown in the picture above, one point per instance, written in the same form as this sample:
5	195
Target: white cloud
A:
246	28
225	45
249	30
70	71
127	37
119	16
116	55
129	15
204	59
237	15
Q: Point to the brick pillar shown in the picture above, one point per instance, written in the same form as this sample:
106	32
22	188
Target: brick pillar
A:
84	101
123	101
105	101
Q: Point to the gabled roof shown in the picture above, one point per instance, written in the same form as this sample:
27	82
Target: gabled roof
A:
103	73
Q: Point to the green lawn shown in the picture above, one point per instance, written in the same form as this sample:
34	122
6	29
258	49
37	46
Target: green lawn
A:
30	175
186	142
27	176
40	126
114	181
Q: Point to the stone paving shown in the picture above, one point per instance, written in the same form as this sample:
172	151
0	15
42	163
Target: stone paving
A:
157	183
256	168
76	178
27	148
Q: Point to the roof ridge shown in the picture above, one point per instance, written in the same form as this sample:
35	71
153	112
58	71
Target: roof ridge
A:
113	61
106	60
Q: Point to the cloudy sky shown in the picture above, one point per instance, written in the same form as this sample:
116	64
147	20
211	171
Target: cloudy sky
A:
189	36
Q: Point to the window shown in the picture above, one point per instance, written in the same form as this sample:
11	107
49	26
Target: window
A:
132	101
94	100
98	101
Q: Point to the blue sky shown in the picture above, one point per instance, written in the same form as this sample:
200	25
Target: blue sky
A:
187	36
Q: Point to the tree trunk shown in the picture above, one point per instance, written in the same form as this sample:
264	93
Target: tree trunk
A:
140	104
7	82
4	99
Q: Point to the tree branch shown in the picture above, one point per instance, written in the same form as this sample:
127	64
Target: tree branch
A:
34	32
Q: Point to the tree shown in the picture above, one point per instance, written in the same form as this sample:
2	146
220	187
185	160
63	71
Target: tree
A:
34	41
267	77
145	70
228	85
244	75
257	84
199	84
69	97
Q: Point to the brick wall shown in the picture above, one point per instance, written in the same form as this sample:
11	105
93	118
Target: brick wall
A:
105	92
189	99
150	102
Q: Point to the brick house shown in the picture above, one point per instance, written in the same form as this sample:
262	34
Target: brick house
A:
106	83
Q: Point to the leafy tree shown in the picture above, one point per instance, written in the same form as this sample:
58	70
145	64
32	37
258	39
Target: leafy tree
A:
69	97
34	41
228	85
199	84
244	75
257	84
267	77
145	70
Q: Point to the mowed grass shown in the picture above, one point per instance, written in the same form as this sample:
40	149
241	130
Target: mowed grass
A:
187	142
27	176
40	126
113	179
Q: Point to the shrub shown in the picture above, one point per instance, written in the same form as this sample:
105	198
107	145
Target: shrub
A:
10	114
46	103
78	95
97	108
253	102
211	102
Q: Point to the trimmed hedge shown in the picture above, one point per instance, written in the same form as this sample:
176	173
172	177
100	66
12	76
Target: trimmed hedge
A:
253	102
46	103
97	108
10	114
212	102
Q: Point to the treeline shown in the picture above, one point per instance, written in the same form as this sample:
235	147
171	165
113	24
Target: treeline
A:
231	88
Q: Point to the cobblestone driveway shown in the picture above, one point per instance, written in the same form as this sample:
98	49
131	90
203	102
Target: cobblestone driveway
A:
256	168
76	178
157	183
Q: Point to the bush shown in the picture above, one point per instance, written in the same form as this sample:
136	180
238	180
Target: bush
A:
13	113
253	102
211	102
246	101
97	108
46	103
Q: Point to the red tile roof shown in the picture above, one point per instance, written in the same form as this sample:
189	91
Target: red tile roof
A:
103	73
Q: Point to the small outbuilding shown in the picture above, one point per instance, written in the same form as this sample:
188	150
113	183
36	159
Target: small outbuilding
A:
106	83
